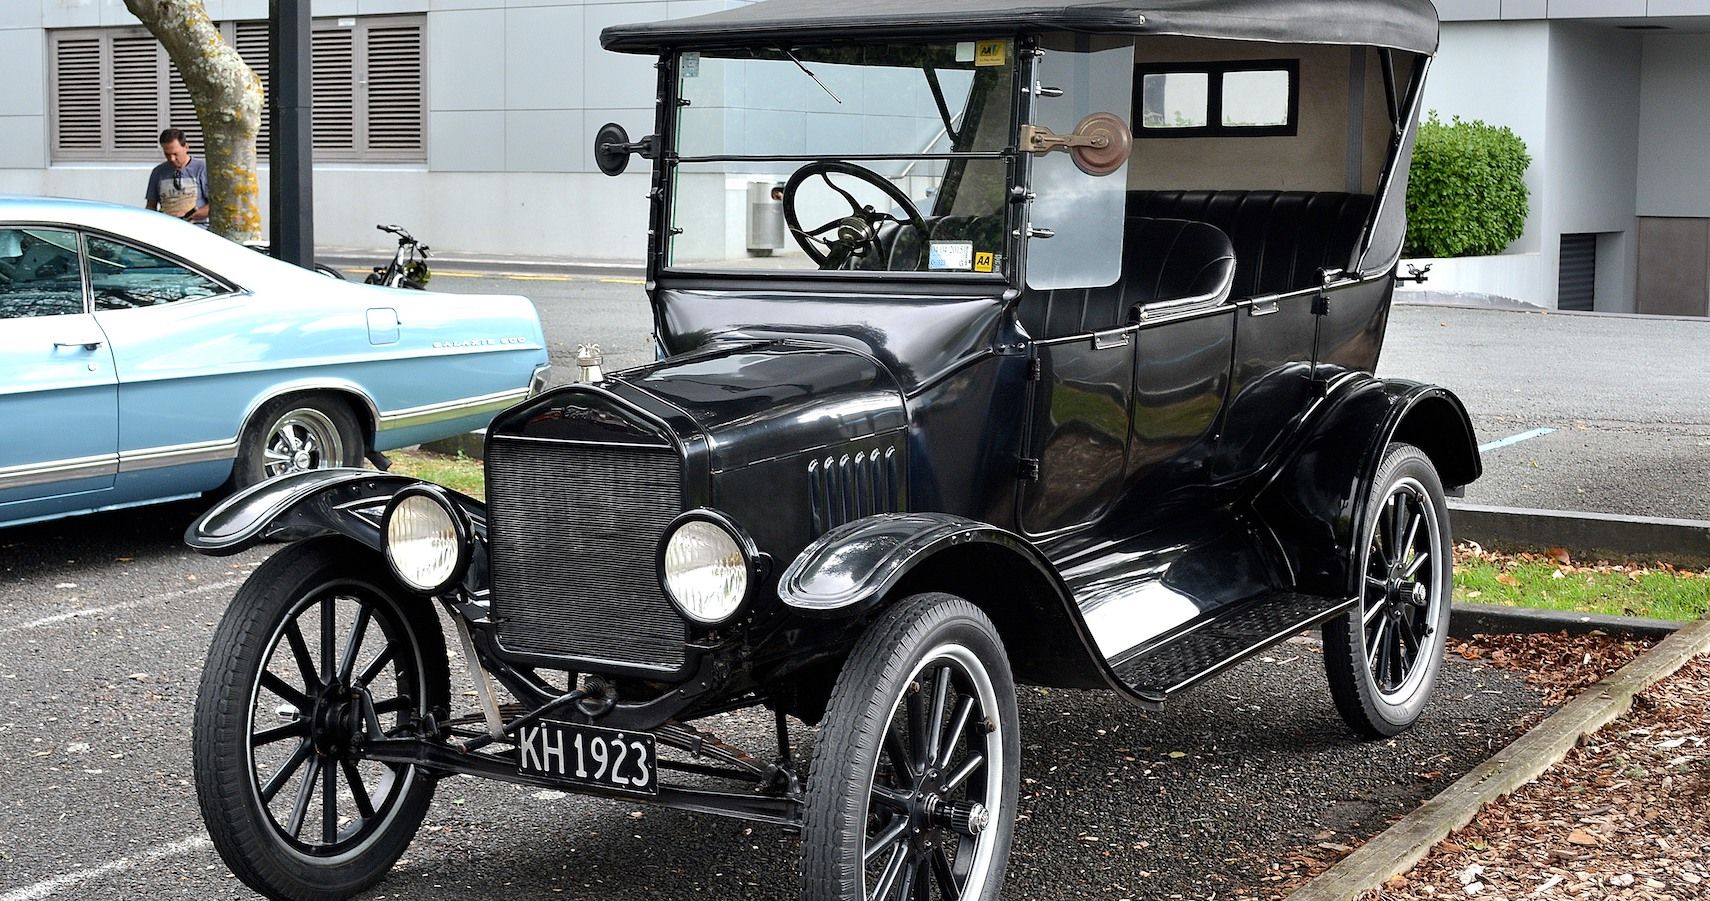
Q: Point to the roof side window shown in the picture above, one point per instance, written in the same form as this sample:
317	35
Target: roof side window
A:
1240	98
39	273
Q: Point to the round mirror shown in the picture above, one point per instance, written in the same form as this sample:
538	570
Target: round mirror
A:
611	152
1112	143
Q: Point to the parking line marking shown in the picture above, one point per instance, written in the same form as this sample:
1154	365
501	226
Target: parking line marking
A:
617	280
1514	439
66	880
114	608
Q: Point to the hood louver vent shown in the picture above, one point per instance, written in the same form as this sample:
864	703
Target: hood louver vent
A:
847	487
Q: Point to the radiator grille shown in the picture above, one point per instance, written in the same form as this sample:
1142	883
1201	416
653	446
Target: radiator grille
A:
847	487
574	529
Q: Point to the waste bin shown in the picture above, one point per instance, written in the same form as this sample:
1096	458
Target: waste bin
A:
765	220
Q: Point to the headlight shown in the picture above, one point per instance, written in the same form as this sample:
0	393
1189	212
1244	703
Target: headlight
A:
707	567
426	539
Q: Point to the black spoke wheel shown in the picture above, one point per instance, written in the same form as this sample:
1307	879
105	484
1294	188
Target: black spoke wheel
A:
913	789
314	658
1383	657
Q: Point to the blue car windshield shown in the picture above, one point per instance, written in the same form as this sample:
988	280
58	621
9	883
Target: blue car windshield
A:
849	158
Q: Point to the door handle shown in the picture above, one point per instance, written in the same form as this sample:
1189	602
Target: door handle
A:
86	345
1262	308
1108	340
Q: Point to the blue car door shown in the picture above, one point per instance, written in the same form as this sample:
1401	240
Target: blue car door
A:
58	390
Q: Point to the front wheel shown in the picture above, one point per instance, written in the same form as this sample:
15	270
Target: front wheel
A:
913	790
1383	657
312	655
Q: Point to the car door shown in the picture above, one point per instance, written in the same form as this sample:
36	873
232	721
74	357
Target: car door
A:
172	338
58	389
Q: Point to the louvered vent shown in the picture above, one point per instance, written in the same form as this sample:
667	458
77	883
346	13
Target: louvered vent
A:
335	90
136	92
181	111
250	41
574	530
77	78
395	88
847	487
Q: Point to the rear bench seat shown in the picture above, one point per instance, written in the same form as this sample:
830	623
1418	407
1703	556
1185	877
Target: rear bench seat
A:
1281	238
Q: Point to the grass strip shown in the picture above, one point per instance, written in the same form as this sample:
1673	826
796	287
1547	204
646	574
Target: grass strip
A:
458	473
1553	581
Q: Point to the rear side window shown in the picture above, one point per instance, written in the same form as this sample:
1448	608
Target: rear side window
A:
123	277
39	273
1240	98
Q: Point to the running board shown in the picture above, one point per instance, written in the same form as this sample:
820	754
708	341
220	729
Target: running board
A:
1163	668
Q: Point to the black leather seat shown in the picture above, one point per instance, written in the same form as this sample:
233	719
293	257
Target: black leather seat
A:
1162	260
1281	238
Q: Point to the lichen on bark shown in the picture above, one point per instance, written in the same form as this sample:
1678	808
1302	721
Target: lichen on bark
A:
228	99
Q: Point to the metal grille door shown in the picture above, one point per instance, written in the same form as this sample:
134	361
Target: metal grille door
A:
1576	287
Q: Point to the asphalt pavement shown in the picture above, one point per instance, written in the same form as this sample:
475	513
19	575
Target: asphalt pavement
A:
104	622
105	619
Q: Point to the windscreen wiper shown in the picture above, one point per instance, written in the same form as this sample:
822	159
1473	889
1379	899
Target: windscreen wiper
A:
792	56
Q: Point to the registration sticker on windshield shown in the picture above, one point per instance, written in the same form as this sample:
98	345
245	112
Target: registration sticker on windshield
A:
989	53
690	65
956	256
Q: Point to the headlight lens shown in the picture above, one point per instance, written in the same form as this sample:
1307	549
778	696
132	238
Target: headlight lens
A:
706	572
423	542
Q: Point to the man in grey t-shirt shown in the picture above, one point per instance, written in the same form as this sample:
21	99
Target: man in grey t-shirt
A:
179	186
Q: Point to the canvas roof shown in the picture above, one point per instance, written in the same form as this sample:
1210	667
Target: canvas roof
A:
1397	24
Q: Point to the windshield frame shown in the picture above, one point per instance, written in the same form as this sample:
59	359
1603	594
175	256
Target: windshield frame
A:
662	229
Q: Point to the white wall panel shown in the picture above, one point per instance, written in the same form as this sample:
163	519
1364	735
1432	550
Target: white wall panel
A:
23	71
617	80
25	146
545	141
543	58
466	61
1674	124
466	141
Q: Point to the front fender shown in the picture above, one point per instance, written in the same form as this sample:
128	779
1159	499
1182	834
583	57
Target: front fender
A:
853	566
347	502
1315	503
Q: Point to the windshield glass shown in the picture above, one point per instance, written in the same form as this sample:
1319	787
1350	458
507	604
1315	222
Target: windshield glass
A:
843	158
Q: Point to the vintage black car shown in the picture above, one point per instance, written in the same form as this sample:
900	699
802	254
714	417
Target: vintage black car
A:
1070	384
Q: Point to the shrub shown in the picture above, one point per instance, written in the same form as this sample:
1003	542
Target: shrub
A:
1466	193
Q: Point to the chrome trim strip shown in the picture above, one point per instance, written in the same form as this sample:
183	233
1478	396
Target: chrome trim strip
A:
178	455
440	412
24	475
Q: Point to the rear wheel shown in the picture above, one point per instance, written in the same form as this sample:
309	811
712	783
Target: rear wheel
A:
913	790
1383	658
297	434
312	656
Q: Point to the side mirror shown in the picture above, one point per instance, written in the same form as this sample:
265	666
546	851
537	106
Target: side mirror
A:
1099	145
612	148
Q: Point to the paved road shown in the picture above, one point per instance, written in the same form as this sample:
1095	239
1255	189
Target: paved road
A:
1628	398
96	802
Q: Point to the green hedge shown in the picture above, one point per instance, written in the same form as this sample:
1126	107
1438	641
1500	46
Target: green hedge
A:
1466	194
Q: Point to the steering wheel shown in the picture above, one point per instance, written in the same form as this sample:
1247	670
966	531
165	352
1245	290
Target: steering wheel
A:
854	235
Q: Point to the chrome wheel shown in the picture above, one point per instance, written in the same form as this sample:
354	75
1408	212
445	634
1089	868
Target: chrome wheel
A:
1402	595
938	786
304	438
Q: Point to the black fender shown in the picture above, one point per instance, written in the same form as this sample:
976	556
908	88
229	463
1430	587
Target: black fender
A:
854	569
347	502
1315	502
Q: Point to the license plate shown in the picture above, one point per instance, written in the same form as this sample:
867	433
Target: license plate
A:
589	755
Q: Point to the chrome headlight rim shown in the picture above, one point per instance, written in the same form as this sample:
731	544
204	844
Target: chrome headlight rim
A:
460	528
753	561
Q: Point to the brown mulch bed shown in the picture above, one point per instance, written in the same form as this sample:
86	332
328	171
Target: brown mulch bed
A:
1626	815
1560	665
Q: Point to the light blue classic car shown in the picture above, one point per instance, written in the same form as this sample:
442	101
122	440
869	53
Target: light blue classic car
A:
143	359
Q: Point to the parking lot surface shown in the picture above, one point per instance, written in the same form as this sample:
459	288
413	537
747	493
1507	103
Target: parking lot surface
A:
104	622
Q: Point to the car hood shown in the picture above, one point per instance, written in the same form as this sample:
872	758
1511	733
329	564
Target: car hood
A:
745	402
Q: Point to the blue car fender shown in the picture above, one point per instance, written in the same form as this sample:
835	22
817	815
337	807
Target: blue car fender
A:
346	502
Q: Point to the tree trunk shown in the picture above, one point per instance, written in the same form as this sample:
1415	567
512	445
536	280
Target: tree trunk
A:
228	101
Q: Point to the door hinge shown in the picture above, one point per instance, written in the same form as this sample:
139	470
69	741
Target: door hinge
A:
1029	469
1035	370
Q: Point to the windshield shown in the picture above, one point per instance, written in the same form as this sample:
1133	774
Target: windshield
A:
843	158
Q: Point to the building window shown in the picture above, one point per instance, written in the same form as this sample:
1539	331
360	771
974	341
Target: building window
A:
1245	98
114	89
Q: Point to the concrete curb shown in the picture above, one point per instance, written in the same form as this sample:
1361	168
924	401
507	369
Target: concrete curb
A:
1682	542
1404	844
1467	620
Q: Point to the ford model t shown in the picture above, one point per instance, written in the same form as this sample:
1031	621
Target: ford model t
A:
1068	380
